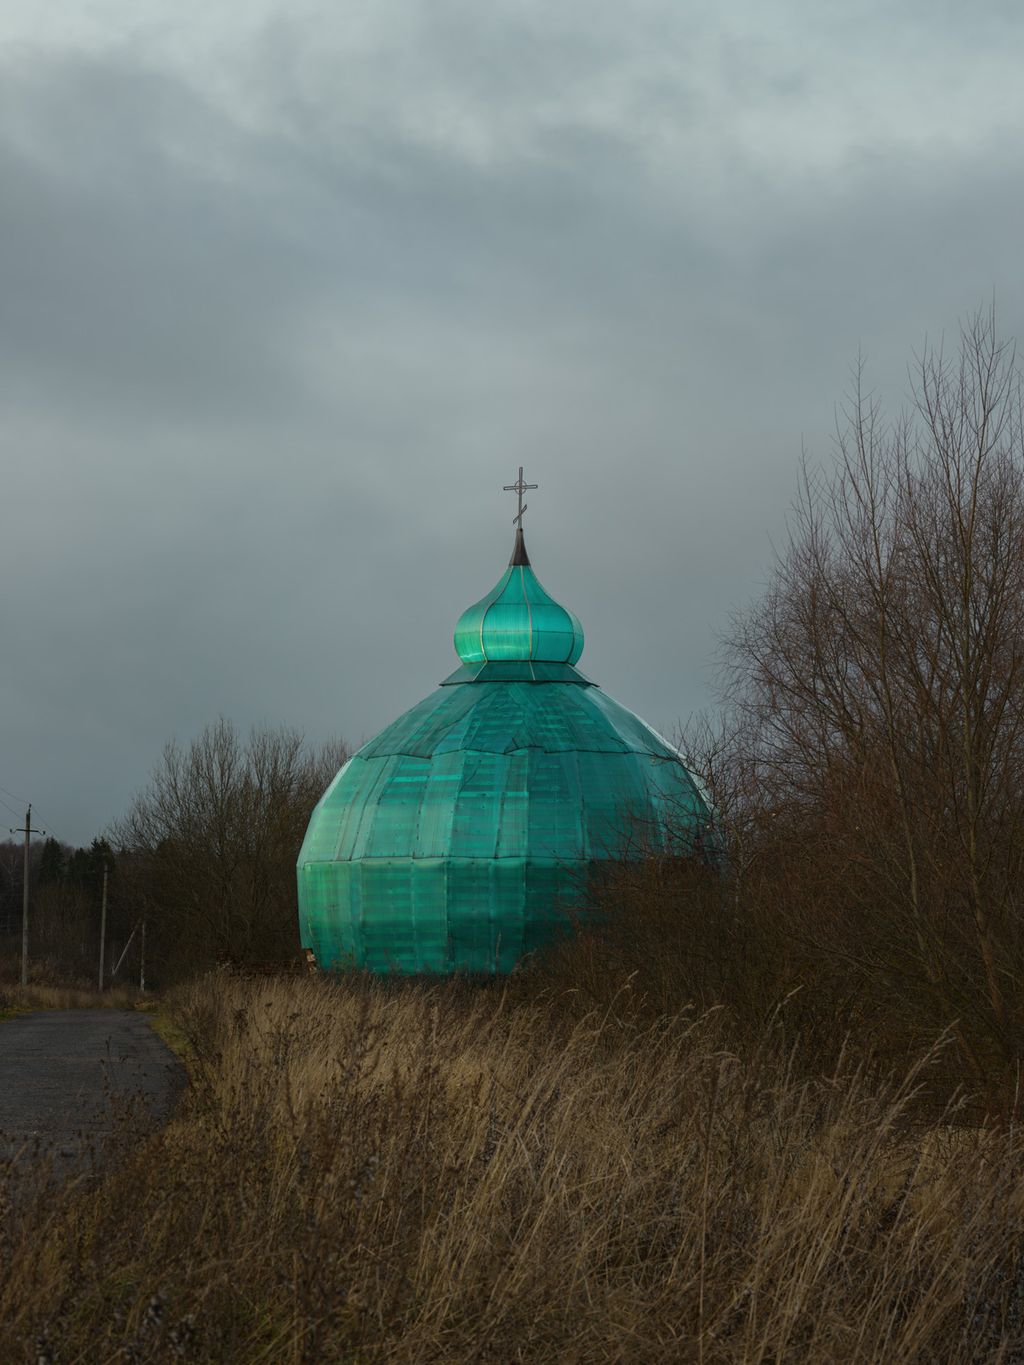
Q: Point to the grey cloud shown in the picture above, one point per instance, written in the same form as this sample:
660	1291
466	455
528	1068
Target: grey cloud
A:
266	358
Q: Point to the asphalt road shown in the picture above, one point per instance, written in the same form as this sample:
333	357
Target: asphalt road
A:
71	1081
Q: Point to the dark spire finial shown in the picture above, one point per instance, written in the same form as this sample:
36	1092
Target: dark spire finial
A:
519	555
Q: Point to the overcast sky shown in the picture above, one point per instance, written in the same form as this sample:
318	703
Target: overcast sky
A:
288	291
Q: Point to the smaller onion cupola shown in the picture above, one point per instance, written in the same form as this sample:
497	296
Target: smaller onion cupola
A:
518	621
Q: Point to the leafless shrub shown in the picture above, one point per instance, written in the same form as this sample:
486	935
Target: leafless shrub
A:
210	845
877	705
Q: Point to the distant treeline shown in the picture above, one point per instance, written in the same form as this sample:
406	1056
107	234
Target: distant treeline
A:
205	857
65	885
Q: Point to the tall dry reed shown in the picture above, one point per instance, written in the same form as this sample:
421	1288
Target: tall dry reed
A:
365	1171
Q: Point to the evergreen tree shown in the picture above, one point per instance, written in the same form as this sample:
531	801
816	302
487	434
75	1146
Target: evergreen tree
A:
52	864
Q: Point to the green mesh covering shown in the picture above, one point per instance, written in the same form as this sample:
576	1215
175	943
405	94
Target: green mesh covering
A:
517	670
455	839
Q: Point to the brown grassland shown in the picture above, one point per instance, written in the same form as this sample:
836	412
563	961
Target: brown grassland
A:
369	1170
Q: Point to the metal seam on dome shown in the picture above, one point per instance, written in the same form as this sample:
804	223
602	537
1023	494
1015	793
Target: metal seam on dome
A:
373	791
529	610
546	858
530	749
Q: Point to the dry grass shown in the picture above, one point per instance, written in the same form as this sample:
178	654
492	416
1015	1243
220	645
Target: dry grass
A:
369	1171
14	999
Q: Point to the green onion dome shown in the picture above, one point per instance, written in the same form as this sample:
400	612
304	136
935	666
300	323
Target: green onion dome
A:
518	620
455	838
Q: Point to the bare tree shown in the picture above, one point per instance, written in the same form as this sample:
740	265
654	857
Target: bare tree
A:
211	843
878	687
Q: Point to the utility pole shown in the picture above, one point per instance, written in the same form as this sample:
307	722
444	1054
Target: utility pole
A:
124	952
28	831
103	923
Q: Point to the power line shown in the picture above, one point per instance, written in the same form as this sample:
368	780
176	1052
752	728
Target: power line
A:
21	801
42	815
53	833
14	796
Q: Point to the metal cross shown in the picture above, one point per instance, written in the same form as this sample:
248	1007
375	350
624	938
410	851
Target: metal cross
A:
520	488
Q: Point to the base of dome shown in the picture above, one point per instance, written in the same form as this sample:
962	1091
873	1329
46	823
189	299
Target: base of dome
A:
435	915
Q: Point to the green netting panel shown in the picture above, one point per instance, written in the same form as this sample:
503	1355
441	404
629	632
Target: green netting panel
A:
449	841
506	717
517	670
432	915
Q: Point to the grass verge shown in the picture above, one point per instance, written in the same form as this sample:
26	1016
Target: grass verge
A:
167	1023
17	998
